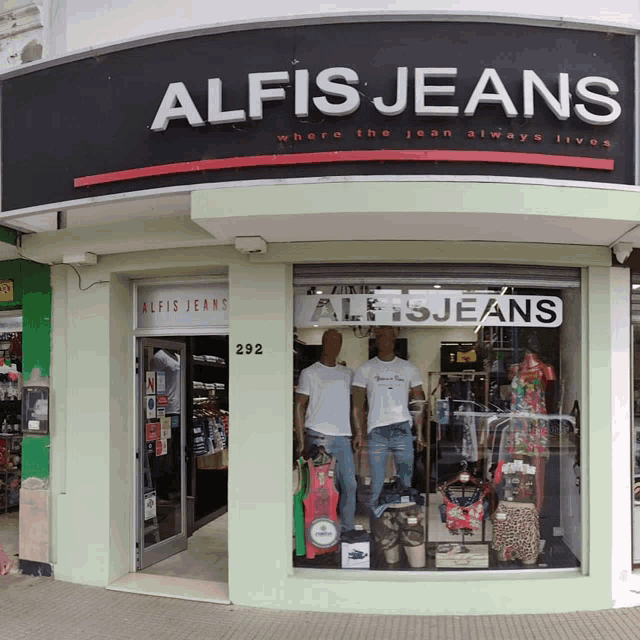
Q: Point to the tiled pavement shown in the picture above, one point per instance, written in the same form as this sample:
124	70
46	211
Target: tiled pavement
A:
42	608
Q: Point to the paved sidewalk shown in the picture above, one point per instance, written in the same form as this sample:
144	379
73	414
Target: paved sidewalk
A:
46	609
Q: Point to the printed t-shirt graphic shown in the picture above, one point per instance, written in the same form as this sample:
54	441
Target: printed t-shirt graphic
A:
329	390
388	385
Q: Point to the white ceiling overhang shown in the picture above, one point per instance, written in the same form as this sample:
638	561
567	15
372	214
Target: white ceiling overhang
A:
400	210
458	211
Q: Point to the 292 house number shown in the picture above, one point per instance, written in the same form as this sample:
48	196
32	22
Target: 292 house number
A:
248	349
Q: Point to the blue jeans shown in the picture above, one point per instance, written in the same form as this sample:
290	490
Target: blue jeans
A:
340	448
392	438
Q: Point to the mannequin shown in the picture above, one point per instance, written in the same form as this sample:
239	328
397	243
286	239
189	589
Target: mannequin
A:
167	362
387	383
532	383
516	521
321	415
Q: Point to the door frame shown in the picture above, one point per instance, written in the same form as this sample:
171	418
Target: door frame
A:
164	549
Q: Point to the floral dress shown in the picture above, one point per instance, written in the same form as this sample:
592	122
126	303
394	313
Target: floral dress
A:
528	436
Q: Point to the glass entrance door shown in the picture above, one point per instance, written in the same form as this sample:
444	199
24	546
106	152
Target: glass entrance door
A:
162	525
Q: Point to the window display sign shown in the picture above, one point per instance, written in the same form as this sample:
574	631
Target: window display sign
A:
438	308
163	306
271	102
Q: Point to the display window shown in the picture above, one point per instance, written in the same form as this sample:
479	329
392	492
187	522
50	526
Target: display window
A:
635	442
437	418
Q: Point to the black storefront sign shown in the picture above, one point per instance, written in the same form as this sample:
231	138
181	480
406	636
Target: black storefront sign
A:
386	98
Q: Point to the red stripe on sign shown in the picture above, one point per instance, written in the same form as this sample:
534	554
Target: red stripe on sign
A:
290	159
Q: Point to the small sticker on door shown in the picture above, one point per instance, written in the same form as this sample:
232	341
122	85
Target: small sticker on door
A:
165	428
161	447
150	505
151	407
152	431
163	401
161	387
150	383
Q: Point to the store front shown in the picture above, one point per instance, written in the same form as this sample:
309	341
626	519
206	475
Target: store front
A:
450	226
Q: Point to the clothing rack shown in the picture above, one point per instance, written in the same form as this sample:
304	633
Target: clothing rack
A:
467	375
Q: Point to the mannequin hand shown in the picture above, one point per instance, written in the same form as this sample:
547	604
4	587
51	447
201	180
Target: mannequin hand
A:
420	444
358	441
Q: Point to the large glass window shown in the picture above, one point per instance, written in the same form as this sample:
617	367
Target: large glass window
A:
437	424
635	444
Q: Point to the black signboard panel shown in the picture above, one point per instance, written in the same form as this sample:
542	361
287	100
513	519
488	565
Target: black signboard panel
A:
64	127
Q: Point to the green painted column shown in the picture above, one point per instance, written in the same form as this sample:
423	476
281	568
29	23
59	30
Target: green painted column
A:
35	457
36	320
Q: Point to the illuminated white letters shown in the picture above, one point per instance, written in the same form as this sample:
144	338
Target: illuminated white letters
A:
326	83
583	92
402	89
216	115
339	97
258	95
177	103
302	93
422	90
499	97
559	106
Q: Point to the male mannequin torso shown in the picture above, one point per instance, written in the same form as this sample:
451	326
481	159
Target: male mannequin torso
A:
322	406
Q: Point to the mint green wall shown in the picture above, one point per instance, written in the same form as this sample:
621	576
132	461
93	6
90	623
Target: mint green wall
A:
260	406
81	443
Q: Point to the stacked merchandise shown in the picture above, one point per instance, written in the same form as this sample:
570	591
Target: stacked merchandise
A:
210	430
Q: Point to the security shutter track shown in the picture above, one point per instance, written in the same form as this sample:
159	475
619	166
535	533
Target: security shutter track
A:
428	274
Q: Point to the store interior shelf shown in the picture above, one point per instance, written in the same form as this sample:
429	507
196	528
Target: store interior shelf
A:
216	365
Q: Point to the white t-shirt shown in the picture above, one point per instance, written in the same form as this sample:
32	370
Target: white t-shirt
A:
329	391
388	385
162	361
